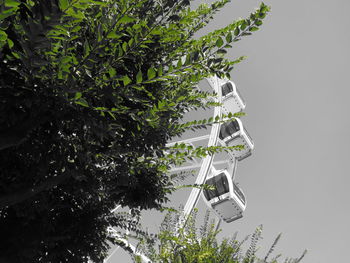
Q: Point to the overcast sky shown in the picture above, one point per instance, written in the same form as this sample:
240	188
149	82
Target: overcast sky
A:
296	86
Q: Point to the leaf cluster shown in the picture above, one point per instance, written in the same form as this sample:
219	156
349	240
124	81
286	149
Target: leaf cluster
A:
192	244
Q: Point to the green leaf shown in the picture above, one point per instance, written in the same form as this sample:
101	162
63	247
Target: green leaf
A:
258	22
113	35
126	80
237	31
126	19
179	63
77	95
229	37
112	72
7	13
254	28
65	59
12	3
187	60
244	25
139	77
221	51
86	48
125	46
120	51
75	29
63	4
111	114
151	73
219	42
15	54
75	13
262	15
82	102
160	70
99	32
3	35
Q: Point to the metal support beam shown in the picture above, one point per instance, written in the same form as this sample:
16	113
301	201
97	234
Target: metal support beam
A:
190	140
197	166
128	244
207	162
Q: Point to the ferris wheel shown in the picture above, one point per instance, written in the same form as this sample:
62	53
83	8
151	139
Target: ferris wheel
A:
225	198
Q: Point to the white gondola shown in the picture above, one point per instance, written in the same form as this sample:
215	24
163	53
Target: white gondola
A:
226	199
231	99
232	133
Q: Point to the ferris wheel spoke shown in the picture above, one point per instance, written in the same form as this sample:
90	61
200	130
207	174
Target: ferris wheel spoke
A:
190	140
126	243
111	255
198	165
115	209
207	161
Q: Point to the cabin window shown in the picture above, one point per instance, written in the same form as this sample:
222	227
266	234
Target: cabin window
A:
226	88
239	193
228	129
220	183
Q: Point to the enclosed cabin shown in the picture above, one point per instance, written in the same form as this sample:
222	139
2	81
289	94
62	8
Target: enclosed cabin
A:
224	197
232	133
231	98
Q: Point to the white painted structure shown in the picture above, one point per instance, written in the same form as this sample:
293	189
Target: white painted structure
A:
232	133
231	99
226	199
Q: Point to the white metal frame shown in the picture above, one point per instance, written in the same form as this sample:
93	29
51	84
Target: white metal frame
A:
234	96
217	201
208	160
244	137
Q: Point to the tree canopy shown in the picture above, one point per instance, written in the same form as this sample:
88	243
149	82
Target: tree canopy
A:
90	92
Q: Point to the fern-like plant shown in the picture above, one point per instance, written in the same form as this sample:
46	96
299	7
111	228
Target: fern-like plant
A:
192	244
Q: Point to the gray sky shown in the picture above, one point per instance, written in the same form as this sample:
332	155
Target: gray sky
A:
295	84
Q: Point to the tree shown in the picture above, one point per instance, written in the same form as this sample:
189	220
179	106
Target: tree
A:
190	244
90	92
